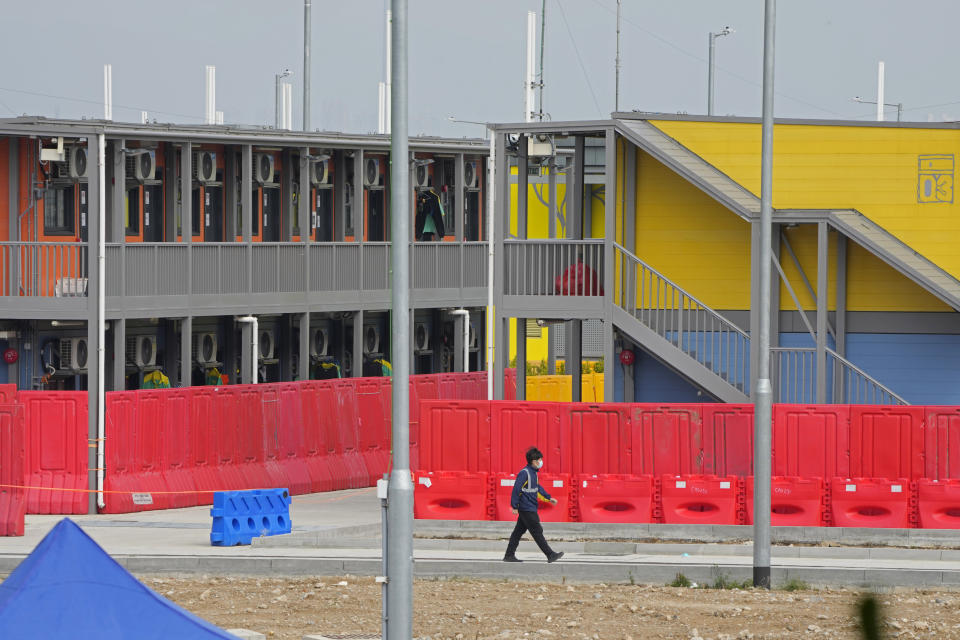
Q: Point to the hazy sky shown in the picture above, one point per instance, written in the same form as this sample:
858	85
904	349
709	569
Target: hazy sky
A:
466	58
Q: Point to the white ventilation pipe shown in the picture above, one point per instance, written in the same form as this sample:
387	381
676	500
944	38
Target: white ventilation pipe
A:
254	344
880	91
211	95
108	92
465	319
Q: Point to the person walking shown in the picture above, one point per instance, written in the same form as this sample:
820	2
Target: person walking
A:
527	492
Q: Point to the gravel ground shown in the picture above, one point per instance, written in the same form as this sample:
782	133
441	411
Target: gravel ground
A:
468	609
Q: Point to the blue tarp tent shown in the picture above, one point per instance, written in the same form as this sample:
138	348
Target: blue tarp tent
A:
71	588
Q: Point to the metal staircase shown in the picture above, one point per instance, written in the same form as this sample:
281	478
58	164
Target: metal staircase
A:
712	352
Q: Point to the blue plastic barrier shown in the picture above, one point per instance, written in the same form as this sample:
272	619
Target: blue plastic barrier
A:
239	516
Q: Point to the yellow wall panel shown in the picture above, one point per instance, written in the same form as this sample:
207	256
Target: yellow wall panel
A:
691	238
880	171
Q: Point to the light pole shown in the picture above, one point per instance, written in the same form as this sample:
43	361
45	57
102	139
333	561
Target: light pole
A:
278	97
711	83
898	105
459	121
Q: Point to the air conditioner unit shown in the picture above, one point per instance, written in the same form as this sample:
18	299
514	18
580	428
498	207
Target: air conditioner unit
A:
319	342
421	176
371	339
205	348
73	354
371	172
142	350
421	336
142	166
265	344
204	166
76	163
262	168
471	179
320	172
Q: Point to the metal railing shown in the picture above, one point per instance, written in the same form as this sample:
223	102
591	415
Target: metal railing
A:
553	267
48	269
794	371
678	317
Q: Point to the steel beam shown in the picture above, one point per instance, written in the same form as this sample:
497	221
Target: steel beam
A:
822	279
119	372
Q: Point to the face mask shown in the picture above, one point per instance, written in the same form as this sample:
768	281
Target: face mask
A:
538	465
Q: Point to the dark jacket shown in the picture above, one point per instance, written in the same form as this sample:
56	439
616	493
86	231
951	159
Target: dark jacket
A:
428	204
527	490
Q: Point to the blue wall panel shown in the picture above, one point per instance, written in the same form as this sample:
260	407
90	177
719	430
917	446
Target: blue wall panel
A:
921	368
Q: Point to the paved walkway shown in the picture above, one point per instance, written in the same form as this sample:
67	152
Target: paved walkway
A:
338	533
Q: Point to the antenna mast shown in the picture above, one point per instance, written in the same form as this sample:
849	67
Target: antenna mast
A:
616	97
543	32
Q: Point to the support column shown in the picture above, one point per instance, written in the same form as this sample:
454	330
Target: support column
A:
117	199
521	358
523	188
840	323
229	349
609	233
501	338
186	351
169	192
359	210
340	198
458	362
822	275
284	348
357	351
94	316
286	196
630	199
230	200
186	193
303	371
119	354
574	358
246	227
460	193
246	353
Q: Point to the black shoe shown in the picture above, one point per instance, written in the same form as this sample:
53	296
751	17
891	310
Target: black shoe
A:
511	559
556	555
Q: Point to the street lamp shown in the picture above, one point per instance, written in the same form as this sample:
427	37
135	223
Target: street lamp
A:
459	121
711	88
278	98
898	105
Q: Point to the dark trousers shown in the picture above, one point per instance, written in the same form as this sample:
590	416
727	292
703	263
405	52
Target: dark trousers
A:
528	521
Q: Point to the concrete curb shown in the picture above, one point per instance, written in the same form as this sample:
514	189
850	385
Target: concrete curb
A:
620	572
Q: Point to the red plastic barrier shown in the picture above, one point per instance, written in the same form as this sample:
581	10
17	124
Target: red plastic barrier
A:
132	454
450	495
615	498
263	404
8	393
870	502
601	433
13	503
886	442
727	439
176	465
317	455
348	423
938	504
509	384
942	443
556	484
517	426
665	439
329	427
292	456
55	453
373	412
811	441
210	467
455	436
794	502
696	499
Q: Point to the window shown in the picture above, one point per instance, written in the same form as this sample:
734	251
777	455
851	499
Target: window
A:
133	211
59	211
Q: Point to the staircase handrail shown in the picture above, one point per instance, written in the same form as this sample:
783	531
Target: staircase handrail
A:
729	325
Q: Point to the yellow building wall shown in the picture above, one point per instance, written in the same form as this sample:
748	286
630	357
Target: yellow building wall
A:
879	171
691	238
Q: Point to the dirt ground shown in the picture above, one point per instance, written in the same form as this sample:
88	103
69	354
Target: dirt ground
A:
462	609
